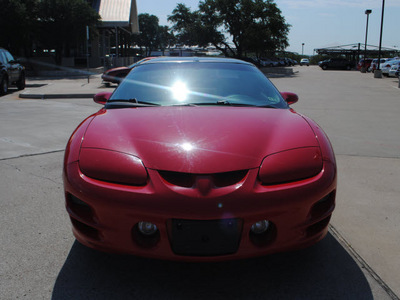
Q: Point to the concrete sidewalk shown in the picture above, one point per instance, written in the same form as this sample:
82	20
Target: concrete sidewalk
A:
57	88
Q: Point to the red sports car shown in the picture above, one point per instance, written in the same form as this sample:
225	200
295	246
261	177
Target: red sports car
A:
116	75
198	159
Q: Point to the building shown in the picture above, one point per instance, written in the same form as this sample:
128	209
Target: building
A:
119	22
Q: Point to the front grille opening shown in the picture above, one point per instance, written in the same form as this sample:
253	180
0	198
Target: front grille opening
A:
266	238
179	179
188	180
80	208
85	230
318	227
323	206
228	178
145	241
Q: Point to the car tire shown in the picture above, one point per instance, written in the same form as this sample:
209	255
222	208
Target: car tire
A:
21	82
324	67
348	67
4	86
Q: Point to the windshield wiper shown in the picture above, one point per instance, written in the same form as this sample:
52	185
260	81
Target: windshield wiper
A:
222	103
133	102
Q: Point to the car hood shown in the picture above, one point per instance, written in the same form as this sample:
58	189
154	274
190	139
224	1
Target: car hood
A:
199	139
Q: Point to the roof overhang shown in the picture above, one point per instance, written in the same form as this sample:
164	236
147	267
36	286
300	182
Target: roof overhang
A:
118	13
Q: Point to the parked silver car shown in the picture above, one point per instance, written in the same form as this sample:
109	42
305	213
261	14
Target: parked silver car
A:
304	61
385	67
374	64
395	68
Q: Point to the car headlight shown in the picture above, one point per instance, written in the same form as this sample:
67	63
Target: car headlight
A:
112	166
291	165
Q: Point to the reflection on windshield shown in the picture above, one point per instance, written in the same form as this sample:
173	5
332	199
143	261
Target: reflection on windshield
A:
179	91
174	83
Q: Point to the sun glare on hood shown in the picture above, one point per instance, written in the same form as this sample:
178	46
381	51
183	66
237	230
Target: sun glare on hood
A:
187	147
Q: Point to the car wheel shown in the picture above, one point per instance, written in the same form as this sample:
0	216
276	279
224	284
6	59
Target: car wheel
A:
348	67
324	67
21	82
4	86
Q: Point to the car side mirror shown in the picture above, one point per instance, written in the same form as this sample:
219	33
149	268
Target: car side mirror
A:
102	97
290	98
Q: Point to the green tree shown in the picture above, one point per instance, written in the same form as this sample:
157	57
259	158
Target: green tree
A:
153	36
147	38
18	25
166	38
196	28
62	24
253	25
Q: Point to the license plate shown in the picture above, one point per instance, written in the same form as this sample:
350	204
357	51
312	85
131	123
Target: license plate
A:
205	238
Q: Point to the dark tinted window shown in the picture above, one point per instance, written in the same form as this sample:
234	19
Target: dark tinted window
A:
8	55
171	83
2	57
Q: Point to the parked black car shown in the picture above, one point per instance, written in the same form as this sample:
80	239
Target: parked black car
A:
336	63
11	72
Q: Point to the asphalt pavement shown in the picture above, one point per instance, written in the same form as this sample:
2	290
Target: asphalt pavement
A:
40	259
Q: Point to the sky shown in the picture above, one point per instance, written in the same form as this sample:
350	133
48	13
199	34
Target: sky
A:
317	23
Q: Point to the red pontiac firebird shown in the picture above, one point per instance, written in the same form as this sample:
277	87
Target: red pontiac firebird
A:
198	159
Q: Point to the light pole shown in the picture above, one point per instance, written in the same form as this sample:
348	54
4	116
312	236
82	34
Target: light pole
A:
378	71
302	49
364	68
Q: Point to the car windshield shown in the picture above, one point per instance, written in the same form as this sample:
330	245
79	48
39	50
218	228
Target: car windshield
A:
198	83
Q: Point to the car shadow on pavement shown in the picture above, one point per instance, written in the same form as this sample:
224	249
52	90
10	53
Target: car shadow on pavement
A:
323	271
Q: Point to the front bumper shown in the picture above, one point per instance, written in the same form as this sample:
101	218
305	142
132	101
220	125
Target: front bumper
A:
105	215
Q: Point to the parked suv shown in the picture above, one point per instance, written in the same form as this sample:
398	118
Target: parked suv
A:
336	63
11	72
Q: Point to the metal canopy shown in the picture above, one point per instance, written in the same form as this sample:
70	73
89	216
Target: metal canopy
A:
356	49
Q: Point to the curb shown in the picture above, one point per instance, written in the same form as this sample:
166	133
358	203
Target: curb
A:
54	96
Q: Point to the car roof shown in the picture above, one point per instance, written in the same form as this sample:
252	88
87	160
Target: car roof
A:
176	59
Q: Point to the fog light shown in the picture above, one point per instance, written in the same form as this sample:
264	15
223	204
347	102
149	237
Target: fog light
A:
260	227
147	228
